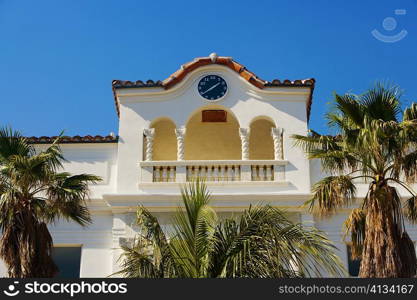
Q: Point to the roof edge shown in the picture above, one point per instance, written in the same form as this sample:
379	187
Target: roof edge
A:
213	58
88	139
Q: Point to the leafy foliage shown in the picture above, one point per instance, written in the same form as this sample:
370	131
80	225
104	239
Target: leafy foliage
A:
33	193
261	243
374	141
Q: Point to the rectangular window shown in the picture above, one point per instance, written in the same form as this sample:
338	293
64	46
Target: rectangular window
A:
353	264
68	260
214	116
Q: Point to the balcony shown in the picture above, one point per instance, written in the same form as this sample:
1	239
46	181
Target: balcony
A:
213	171
216	150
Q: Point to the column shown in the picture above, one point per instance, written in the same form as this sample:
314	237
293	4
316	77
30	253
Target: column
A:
244	137
149	136
279	170
277	137
180	133
181	175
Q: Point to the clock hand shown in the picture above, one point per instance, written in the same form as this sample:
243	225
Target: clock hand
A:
208	90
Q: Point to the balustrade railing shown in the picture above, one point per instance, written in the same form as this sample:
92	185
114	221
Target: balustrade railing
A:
262	173
164	174
214	173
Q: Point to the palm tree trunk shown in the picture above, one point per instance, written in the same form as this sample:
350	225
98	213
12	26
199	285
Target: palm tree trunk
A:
26	248
387	250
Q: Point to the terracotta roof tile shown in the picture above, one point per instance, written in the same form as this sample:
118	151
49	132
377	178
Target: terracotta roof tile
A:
136	84
304	83
185	69
74	139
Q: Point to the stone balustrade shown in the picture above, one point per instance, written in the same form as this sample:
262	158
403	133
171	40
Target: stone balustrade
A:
214	173
164	174
213	170
262	172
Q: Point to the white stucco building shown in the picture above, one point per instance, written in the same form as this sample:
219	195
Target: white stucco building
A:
211	118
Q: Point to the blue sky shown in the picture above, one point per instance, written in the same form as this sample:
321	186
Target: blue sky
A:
57	58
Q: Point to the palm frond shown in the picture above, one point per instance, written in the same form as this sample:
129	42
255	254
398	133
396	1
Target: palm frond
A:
330	150
150	227
13	143
67	197
382	102
32	195
262	243
410	208
371	142
410	113
194	229
331	193
267	244
355	224
409	167
136	263
348	106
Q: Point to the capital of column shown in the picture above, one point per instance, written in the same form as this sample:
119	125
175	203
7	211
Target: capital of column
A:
149	135
244	138
180	133
149	132
278	145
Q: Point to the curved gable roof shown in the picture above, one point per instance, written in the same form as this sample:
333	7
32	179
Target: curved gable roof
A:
185	69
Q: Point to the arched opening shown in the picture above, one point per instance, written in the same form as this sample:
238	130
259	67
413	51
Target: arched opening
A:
261	144
212	133
165	141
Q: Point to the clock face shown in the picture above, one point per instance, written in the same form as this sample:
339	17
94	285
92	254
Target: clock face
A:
212	87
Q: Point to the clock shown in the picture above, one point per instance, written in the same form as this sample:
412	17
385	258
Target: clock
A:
212	87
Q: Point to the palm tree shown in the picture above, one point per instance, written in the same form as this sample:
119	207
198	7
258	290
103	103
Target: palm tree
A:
376	141
33	194
261	243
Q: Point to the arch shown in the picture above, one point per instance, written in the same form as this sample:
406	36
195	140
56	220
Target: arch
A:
265	118
165	141
212	140
261	144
